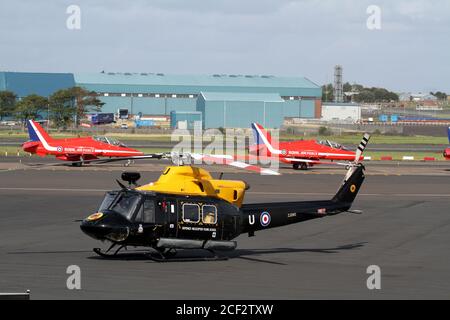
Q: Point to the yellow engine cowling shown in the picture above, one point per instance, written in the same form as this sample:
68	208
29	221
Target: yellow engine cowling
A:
187	180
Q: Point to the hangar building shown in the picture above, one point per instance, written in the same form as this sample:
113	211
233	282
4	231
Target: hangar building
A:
43	84
224	100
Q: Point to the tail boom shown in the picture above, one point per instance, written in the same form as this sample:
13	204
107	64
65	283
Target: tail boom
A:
262	216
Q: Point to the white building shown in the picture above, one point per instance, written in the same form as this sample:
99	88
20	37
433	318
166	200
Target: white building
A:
349	112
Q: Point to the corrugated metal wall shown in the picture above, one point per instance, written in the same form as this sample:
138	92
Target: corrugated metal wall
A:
147	105
240	114
191	117
44	84
304	108
2	81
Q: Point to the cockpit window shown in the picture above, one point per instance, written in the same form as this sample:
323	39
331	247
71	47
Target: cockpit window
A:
126	204
108	200
108	140
331	144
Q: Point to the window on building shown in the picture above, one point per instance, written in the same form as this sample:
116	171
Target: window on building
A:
191	212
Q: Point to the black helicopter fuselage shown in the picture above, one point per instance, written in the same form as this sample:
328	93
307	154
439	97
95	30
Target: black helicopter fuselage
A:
135	218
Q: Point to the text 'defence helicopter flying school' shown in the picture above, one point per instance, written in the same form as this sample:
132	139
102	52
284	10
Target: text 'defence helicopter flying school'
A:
186	208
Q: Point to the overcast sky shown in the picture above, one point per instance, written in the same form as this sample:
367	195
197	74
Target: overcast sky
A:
411	51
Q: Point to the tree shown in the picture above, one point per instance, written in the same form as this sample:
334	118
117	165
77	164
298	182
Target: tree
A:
439	95
30	107
347	87
72	104
364	94
327	92
62	108
85	101
7	103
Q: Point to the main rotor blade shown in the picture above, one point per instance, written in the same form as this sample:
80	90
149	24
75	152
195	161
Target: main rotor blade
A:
229	160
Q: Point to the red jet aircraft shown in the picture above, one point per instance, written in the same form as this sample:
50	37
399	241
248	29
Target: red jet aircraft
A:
447	151
77	150
303	153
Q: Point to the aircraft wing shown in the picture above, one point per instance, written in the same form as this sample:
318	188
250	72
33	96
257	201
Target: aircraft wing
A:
100	161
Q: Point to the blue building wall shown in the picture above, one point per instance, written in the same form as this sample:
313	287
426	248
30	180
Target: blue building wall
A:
148	105
44	84
190	116
307	109
231	110
299	108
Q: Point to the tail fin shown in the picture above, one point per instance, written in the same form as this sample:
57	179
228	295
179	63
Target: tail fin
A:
261	136
36	132
448	133
350	186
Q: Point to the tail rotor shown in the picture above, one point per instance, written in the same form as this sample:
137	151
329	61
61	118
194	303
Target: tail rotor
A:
362	145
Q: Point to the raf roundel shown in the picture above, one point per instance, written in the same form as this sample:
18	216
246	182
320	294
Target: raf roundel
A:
59	149
265	219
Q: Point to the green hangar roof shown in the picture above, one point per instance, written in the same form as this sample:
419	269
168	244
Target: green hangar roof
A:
194	84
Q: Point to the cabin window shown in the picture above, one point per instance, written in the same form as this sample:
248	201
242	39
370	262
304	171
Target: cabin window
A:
146	213
209	214
191	212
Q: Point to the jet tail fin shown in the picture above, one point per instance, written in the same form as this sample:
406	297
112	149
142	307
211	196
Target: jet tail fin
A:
36	132
448	134
262	136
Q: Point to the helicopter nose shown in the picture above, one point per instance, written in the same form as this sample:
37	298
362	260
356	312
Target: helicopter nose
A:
102	226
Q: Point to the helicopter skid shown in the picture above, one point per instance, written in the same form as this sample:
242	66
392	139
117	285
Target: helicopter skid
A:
158	256
170	257
106	254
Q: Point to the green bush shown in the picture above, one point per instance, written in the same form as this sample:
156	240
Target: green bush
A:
324	131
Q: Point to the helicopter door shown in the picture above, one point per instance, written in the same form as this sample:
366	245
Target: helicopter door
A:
168	215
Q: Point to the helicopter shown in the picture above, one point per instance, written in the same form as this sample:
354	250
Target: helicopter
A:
186	208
